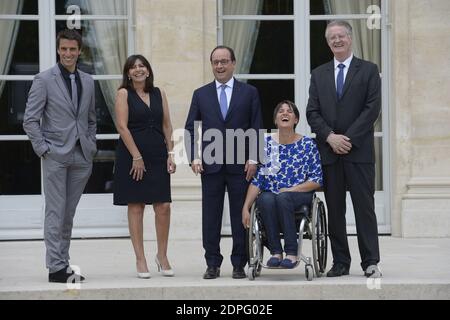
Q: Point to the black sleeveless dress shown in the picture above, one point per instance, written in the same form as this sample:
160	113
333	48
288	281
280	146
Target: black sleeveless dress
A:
145	125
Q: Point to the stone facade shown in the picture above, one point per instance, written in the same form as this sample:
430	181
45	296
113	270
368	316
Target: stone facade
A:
420	114
177	36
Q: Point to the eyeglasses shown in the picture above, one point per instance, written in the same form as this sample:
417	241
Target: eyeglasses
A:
223	62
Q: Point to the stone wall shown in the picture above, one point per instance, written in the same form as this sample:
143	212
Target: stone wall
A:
420	116
177	38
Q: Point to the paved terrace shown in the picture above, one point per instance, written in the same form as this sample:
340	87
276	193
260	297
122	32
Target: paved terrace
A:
412	268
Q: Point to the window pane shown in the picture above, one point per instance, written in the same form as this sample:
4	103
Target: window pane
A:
105	93
20	169
21	54
343	6
18	7
261	46
101	180
92	7
30	7
366	43
378	164
379	123
104	46
256	7
13	97
271	93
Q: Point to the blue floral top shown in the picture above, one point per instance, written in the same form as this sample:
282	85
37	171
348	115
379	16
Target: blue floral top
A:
288	165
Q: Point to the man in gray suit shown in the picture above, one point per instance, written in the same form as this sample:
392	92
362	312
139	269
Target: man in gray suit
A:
60	121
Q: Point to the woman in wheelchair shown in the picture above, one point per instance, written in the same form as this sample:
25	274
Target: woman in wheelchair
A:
286	181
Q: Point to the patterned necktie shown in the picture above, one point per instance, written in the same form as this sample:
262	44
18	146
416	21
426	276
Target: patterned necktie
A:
223	101
340	81
73	84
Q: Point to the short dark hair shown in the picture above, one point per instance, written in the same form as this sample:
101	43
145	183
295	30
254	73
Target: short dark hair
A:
291	105
69	34
127	83
233	57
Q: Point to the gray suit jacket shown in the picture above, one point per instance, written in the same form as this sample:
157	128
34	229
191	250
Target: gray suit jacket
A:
62	123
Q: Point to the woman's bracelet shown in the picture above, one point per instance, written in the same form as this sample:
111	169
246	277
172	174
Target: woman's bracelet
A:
138	158
171	152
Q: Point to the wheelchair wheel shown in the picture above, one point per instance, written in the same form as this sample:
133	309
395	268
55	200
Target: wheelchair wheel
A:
251	273
255	248
309	273
319	236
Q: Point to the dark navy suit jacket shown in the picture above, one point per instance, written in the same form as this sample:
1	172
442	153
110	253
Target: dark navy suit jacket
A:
244	113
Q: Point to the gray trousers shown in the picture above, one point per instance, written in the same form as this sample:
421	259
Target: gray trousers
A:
63	186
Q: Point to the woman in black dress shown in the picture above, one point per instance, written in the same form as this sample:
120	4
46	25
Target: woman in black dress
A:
144	159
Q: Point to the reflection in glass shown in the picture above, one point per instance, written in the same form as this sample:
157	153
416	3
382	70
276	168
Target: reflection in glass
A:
366	43
261	46
93	7
378	164
12	106
264	7
20	169
271	92
101	180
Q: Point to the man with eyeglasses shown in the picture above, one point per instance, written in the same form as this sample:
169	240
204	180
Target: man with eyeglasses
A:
344	103
223	105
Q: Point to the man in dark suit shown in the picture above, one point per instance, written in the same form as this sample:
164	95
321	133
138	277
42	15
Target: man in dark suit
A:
61	123
344	103
220	106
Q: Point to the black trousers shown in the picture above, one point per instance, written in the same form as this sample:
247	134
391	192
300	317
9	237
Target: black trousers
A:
359	179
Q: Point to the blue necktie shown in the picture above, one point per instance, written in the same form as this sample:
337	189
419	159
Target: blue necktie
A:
340	81
223	101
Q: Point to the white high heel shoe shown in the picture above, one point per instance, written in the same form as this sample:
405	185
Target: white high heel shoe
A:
165	273
143	275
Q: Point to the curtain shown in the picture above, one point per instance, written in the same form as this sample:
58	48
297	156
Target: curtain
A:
109	44
8	35
242	35
366	45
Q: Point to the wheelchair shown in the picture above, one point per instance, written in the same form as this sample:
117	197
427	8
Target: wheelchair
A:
311	222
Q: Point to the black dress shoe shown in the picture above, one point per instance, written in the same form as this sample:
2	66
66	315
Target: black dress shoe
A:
238	273
211	273
338	270
65	275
